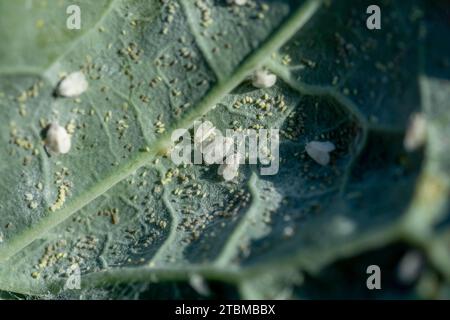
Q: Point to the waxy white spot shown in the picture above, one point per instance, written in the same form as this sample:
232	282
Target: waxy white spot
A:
320	151
57	140
72	85
263	79
416	133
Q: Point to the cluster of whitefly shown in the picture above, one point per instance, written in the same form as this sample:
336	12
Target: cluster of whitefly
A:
237	2
215	148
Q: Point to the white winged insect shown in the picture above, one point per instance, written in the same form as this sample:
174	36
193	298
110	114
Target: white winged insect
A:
204	133
217	149
237	2
320	151
73	85
230	169
416	134
57	141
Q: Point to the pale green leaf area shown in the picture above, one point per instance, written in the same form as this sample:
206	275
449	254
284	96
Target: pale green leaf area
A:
140	227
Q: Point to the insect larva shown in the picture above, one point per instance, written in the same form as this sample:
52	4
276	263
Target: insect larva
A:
230	169
320	151
416	133
263	79
57	140
72	85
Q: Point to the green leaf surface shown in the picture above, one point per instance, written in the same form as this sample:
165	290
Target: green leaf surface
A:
140	227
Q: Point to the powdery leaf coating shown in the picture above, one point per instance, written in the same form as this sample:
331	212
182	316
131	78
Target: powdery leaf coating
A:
58	140
320	151
263	79
73	85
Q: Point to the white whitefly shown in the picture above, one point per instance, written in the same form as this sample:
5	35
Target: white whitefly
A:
229	172
343	226
320	151
416	134
237	2
288	232
72	85
230	169
204	132
57	140
219	148
263	79
410	266
199	284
